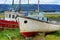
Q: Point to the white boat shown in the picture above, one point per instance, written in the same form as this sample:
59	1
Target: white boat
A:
29	26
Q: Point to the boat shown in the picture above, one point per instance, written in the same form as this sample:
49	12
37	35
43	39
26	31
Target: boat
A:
31	26
10	21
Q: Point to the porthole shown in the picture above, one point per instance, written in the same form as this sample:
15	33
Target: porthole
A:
25	21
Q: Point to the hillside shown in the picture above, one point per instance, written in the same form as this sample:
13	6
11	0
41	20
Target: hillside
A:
43	7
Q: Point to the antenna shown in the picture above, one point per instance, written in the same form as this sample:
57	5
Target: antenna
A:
38	5
19	9
28	1
28	9
12	5
34	8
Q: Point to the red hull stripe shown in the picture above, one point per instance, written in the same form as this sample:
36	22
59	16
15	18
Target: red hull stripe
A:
8	24
28	34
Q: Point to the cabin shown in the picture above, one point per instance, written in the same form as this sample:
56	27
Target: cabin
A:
10	16
36	15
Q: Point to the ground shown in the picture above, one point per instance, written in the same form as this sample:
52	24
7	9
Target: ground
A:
13	34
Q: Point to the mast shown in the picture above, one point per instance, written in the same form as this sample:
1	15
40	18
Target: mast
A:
38	5
12	5
28	1
19	9
28	4
34	8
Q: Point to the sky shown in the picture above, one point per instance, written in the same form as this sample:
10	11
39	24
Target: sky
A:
31	2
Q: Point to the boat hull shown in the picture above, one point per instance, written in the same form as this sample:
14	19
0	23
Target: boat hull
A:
8	24
28	34
31	25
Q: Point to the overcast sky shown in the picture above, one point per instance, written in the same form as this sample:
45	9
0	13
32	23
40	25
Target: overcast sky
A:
31	1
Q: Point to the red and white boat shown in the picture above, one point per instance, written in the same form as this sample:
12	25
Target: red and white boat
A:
30	26
10	21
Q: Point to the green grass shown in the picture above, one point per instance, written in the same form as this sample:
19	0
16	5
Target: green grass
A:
9	34
52	15
2	15
46	15
52	37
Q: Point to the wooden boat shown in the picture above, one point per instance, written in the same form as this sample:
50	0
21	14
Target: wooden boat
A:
9	21
30	26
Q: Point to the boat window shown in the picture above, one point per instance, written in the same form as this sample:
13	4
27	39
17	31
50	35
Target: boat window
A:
9	15
25	21
13	16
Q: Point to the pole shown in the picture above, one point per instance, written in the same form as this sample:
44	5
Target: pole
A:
12	3
19	1
28	5
38	5
34	8
19	9
28	1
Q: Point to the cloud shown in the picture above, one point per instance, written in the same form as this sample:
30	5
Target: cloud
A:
48	2
1	2
24	1
16	1
8	1
57	2
31	2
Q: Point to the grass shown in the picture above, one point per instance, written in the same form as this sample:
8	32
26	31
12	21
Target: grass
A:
53	36
52	15
9	34
2	15
46	15
13	34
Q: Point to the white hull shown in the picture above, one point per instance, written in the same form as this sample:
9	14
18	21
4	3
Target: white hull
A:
33	25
